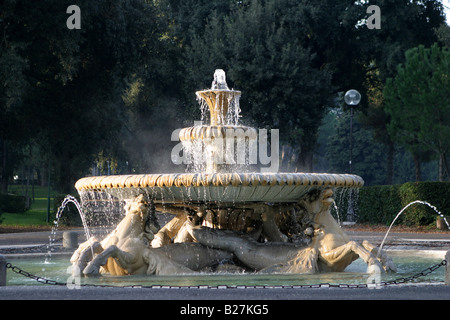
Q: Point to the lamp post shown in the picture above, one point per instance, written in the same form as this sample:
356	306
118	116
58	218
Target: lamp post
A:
352	98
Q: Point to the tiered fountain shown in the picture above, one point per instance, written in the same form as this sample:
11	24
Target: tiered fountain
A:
286	215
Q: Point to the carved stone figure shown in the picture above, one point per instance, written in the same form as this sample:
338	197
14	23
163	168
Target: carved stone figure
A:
127	250
329	250
132	247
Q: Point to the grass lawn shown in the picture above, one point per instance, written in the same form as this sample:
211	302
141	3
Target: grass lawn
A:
36	217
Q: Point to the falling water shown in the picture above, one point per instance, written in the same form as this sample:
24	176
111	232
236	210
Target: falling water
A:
342	197
337	212
204	109
234	111
401	211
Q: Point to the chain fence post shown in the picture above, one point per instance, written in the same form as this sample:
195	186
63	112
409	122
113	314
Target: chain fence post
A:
2	271
70	239
447	268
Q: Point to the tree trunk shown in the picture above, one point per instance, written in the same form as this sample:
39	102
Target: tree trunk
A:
4	173
443	167
64	175
417	166
305	161
286	158
447	172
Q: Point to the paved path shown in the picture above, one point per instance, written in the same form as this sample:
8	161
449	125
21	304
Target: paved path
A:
49	292
33	238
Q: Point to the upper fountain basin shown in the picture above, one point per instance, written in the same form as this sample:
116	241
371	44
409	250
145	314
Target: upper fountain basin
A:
218	101
217	132
220	187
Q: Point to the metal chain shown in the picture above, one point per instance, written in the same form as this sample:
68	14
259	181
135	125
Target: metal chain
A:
321	285
32	276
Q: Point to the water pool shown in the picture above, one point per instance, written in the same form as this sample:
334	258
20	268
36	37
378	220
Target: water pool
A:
409	263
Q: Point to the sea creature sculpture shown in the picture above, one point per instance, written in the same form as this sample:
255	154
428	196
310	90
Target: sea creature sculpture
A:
127	250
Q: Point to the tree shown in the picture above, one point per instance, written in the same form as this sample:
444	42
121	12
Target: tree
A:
282	87
12	86
71	103
368	155
418	102
154	109
249	38
443	34
375	118
405	24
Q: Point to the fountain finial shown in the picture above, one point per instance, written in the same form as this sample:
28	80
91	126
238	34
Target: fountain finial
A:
218	98
219	81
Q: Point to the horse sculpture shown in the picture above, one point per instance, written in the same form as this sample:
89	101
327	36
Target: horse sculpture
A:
127	250
329	250
139	246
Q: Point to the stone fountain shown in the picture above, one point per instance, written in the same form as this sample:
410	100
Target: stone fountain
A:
258	221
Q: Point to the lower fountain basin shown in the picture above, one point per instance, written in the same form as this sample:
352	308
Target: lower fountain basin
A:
409	262
220	187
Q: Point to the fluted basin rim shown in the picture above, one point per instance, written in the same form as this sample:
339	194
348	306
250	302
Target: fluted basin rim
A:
218	180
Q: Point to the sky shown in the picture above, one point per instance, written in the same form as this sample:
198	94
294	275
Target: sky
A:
446	4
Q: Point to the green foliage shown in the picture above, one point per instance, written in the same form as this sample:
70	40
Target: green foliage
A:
116	89
435	193
380	204
443	34
368	156
69	82
289	93
418	102
12	203
70	216
36	215
404	24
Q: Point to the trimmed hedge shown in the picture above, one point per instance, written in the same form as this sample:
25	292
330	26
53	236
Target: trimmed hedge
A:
380	204
12	203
